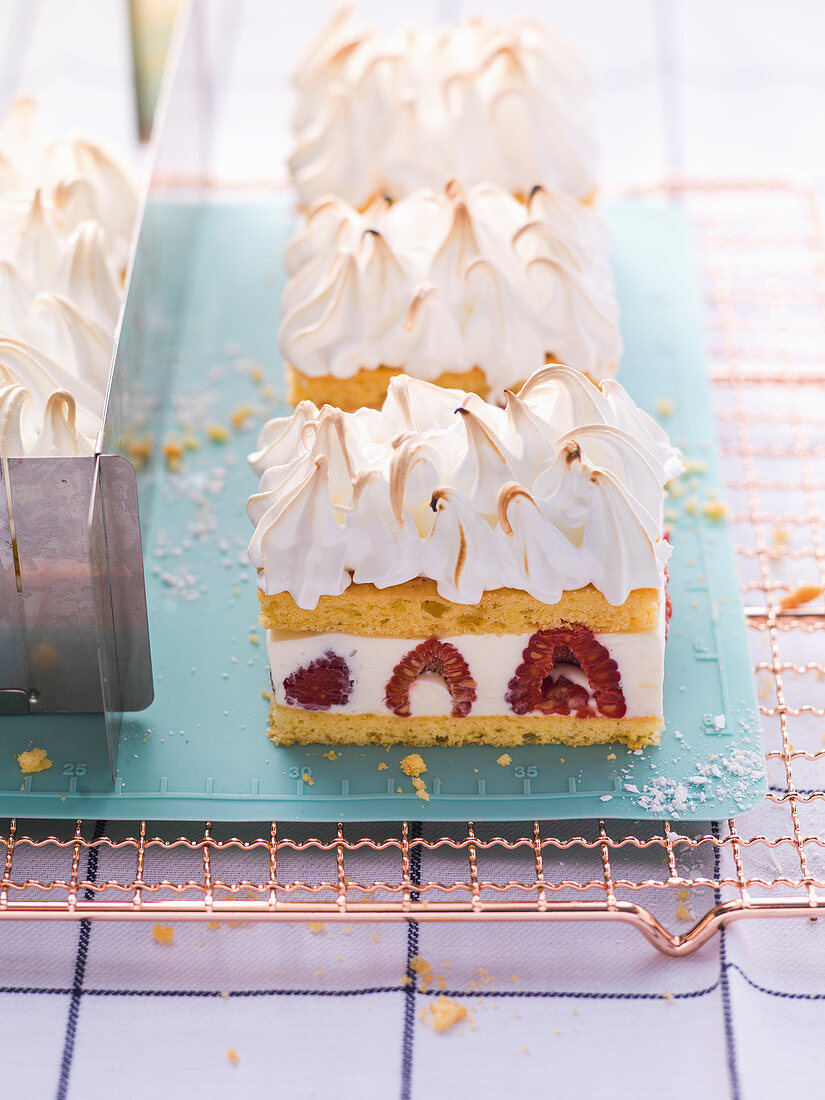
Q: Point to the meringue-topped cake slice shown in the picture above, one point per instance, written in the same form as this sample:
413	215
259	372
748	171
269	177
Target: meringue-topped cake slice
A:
469	289
67	212
479	101
445	571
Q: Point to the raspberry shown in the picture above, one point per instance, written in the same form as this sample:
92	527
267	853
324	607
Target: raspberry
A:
431	656
325	682
532	687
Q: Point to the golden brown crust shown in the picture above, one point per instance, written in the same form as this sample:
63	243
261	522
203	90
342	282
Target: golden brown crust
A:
368	388
415	610
291	726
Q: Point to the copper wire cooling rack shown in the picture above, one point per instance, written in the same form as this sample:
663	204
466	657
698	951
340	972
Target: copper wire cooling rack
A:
762	254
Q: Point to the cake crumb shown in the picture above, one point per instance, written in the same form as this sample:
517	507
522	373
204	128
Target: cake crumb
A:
33	761
331	755
254	639
173	453
307	778
421	789
163	933
212	925
664	406
715	510
424	970
802	594
232	1055
217	433
611	756
667	995
240	416
682	894
682	912
413	764
780	536
524	1050
316	927
382	767
399	790
504	760
442	1013
514	977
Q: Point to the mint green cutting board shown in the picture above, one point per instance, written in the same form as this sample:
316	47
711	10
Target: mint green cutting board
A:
201	751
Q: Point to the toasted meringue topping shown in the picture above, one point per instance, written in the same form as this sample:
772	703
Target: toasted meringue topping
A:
561	489
476	101
449	281
67	211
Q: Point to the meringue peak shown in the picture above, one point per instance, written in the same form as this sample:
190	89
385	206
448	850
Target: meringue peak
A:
441	484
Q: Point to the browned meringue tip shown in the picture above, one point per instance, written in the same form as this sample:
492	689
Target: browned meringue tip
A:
572	452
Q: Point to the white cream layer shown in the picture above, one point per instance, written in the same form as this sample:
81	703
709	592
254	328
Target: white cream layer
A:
492	659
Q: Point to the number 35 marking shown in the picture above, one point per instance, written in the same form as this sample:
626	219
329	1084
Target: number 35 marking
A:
525	773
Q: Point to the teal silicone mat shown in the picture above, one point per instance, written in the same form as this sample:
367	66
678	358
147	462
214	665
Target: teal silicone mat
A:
201	751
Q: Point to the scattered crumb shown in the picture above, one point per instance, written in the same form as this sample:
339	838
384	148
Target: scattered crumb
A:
558	1031
399	790
225	994
413	764
316	927
504	759
382	767
780	536
217	433
173	453
667	995
442	1013
421	789
376	937
190	442
307	778
331	755
664	406
163	933
682	894
611	756
715	510
254	639
695	466
256	374
682	912
33	761
241	416
514	977
140	451
802	594
422	968
405	979
232	1055
524	1050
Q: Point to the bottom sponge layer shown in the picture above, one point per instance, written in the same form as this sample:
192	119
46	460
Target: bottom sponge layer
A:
292	725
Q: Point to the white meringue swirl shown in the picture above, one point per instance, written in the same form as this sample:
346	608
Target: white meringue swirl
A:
561	489
67	212
476	101
450	281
